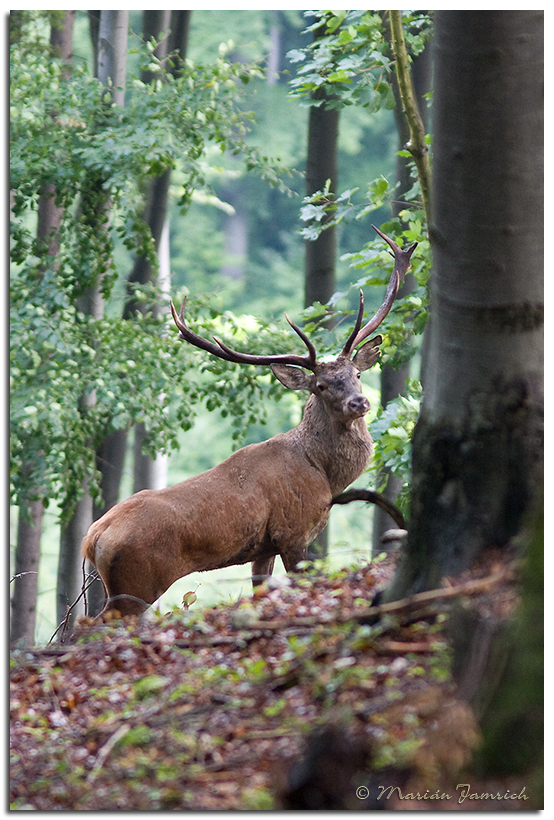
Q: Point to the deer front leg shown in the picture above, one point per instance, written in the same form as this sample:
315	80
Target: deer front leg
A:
262	568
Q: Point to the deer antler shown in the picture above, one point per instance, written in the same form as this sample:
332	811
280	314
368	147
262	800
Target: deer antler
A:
222	351
401	266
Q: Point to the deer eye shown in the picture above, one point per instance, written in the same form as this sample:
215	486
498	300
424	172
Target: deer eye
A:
321	387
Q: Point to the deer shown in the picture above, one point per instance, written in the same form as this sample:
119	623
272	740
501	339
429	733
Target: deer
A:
267	499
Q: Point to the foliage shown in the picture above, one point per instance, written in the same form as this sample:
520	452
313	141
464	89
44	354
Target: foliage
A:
392	431
350	56
66	134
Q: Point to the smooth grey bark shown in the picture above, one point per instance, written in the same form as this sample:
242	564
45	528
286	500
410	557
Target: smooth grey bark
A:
477	449
321	165
112	52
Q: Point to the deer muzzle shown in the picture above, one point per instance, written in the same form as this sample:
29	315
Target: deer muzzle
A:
357	405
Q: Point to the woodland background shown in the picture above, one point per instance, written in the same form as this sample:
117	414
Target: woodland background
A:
230	229
417	669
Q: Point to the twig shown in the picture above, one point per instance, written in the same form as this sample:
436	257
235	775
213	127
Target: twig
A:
21	574
64	623
402	647
434	595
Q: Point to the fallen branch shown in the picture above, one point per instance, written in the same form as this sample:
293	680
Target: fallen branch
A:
371	614
403	647
435	595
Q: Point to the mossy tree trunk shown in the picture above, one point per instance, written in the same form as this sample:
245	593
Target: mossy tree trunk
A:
477	449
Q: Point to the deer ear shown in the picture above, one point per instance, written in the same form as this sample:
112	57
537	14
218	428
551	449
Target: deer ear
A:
368	354
293	377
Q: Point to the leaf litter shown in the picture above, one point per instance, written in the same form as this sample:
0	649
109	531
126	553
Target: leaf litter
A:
218	709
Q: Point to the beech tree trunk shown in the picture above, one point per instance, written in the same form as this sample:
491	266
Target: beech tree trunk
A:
321	165
27	556
477	449
147	468
320	260
111	61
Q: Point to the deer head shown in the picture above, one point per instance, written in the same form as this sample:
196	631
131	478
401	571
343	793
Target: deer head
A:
305	372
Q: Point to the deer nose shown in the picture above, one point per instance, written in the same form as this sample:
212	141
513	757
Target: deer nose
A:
358	405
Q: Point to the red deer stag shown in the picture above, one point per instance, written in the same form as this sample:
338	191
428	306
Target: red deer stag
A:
266	499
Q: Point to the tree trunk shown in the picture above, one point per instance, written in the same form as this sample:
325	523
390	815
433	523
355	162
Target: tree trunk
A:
27	556
112	52
29	528
477	449
321	165
111	63
393	382
236	238
319	271
149	471
70	564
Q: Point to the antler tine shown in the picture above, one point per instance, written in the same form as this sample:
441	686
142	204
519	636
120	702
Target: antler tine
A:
348	346
222	351
401	266
312	355
188	335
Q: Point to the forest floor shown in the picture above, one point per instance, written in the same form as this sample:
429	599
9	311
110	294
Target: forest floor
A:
295	698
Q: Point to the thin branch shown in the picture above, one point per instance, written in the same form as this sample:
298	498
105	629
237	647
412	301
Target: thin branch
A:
63	625
417	145
21	574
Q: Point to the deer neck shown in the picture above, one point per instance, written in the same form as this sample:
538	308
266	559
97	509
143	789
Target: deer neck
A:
342	451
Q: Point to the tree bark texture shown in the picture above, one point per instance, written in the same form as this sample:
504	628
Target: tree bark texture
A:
416	144
477	449
112	52
320	260
70	563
